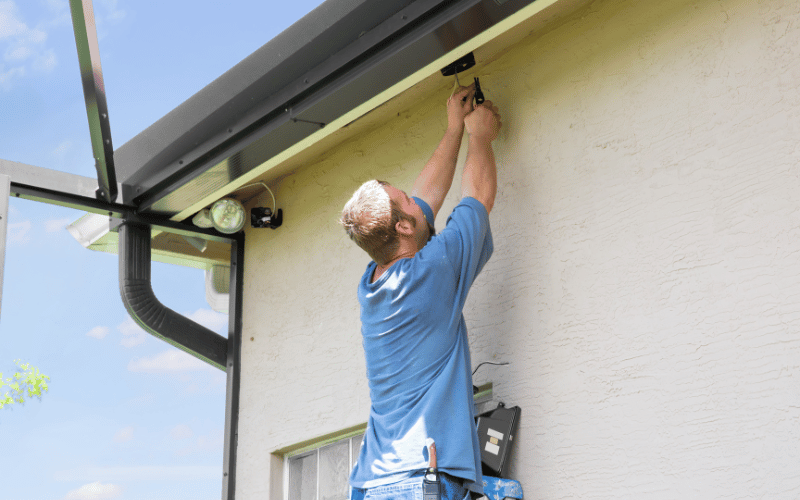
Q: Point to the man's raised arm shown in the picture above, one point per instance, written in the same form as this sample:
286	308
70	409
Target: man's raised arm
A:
479	179
433	183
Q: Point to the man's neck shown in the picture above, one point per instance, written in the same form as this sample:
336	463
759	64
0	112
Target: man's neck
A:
401	253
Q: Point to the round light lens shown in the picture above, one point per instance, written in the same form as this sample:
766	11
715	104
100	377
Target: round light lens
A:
227	215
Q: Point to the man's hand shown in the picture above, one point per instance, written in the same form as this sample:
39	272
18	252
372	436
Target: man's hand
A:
434	181
479	179
459	106
483	122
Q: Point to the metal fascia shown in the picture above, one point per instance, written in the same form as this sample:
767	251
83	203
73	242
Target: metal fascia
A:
213	113
401	86
216	180
279	108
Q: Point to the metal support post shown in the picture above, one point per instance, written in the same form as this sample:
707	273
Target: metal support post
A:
94	93
5	190
234	370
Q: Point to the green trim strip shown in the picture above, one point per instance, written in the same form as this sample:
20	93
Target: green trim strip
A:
319	442
484	394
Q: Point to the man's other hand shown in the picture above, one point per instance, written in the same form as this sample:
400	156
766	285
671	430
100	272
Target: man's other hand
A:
484	122
459	106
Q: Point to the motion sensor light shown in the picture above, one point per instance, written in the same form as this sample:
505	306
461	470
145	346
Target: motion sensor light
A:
203	219
228	216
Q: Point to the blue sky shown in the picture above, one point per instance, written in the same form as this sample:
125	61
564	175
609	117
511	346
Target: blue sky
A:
127	416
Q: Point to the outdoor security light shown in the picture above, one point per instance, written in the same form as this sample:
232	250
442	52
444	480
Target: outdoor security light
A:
228	216
203	219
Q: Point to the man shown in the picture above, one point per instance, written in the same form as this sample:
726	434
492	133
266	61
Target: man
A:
411	296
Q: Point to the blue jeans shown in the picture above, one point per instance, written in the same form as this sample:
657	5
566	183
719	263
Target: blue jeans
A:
411	489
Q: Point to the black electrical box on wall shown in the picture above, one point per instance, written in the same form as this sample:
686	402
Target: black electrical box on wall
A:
496	430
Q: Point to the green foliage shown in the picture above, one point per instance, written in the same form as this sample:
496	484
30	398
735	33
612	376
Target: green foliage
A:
27	378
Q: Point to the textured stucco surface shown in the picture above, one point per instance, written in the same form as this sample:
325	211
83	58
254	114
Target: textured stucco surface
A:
645	285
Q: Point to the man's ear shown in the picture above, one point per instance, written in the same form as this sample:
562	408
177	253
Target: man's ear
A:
404	227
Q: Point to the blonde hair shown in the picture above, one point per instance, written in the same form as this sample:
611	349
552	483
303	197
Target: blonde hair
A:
370	217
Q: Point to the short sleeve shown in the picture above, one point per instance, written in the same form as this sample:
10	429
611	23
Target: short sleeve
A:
426	210
467	241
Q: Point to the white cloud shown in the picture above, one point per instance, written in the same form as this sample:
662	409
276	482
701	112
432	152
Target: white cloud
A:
7	76
112	11
170	361
30	36
61	150
95	491
139	473
98	332
212	320
18	53
22	46
18	232
107	13
16	33
58	5
124	435
132	333
9	24
46	61
181	431
53	225
60	9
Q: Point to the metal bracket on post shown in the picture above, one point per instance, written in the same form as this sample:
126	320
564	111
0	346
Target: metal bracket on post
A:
95	96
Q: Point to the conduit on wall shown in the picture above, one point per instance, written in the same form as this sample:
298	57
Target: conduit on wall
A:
143	306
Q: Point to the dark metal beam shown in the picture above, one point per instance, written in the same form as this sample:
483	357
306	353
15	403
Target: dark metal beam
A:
5	185
95	95
76	191
234	369
181	228
59	188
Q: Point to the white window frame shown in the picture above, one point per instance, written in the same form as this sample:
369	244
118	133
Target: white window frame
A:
314	448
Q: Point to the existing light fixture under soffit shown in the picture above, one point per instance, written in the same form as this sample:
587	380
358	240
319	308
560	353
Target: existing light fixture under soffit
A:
227	215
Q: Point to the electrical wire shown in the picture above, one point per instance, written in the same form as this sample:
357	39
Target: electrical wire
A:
274	204
456	84
489	363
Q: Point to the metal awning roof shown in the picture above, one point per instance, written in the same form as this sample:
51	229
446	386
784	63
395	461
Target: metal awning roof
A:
335	60
295	95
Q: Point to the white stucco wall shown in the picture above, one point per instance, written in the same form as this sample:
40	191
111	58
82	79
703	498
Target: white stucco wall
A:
645	285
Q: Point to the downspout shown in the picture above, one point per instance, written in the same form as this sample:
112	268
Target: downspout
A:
154	317
164	323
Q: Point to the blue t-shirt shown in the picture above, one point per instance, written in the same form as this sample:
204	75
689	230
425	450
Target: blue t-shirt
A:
417	353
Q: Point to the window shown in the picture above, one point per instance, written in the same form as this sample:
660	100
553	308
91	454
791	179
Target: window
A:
322	473
319	469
